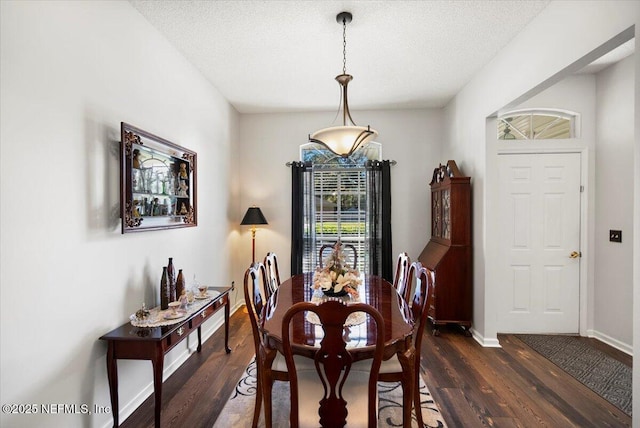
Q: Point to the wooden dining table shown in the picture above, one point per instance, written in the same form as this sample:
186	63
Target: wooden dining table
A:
360	338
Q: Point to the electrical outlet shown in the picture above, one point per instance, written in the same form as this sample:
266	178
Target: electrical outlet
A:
615	235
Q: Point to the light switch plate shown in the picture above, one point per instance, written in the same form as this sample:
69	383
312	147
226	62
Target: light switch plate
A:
615	235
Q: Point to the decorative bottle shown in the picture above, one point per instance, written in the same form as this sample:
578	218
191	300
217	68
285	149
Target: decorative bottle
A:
171	273
180	286
164	290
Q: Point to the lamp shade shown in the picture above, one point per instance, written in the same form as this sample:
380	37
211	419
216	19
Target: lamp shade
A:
253	216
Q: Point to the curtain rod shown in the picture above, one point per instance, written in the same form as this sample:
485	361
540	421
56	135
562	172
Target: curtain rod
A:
391	162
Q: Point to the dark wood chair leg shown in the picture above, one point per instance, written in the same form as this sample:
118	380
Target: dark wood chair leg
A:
256	409
267	387
408	374
416	397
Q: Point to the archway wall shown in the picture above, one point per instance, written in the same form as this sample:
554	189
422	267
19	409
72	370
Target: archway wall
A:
523	68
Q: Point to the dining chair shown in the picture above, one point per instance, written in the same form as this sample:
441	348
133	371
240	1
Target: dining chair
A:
273	275
350	248
344	396
391	369
402	276
266	374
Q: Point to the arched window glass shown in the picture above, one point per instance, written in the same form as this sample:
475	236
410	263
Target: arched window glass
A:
536	125
318	154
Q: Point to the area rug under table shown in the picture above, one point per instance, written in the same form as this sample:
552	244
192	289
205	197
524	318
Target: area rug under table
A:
606	376
238	412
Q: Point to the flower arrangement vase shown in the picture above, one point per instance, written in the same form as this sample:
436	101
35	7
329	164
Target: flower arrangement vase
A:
331	293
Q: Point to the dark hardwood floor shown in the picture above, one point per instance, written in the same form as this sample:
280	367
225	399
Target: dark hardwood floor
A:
512	386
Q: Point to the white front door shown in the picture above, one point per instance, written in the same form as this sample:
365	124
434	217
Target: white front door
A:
539	243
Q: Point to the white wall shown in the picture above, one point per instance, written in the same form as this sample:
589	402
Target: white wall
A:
528	64
614	204
605	108
524	66
70	73
268	141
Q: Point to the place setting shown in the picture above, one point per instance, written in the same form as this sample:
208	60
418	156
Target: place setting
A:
203	293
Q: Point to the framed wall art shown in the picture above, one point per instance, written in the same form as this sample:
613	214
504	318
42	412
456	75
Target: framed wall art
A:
158	182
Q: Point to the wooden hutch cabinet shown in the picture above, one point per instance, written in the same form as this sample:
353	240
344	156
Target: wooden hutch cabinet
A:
448	252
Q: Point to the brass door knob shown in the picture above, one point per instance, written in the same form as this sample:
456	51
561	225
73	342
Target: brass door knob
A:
575	254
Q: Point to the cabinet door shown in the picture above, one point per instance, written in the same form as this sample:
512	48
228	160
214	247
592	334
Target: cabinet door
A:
436	214
446	213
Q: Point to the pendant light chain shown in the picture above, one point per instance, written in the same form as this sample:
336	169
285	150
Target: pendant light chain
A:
343	140
344	46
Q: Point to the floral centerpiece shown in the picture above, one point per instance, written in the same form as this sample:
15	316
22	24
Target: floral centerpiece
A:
335	278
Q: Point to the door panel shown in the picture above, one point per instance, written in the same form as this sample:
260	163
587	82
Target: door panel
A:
539	206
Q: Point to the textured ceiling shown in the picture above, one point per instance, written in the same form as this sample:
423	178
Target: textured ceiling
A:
276	56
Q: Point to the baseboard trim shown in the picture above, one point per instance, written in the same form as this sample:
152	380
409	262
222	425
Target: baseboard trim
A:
483	341
615	343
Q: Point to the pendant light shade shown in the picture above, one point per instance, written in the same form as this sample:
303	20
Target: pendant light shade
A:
344	140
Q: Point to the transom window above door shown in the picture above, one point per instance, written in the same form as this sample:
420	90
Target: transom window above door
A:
537	125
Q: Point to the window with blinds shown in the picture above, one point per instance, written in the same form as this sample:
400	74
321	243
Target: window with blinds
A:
335	201
340	201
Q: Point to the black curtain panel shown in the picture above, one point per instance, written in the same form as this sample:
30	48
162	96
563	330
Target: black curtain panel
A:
299	180
387	256
379	218
372	227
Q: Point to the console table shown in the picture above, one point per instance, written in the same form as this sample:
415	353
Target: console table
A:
152	343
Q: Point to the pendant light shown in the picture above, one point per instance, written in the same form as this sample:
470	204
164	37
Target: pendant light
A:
344	140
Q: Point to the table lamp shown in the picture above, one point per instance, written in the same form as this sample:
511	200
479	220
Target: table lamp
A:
253	217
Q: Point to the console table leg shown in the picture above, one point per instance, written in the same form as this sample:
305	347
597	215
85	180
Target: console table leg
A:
226	327
158	365
199	348
112	375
